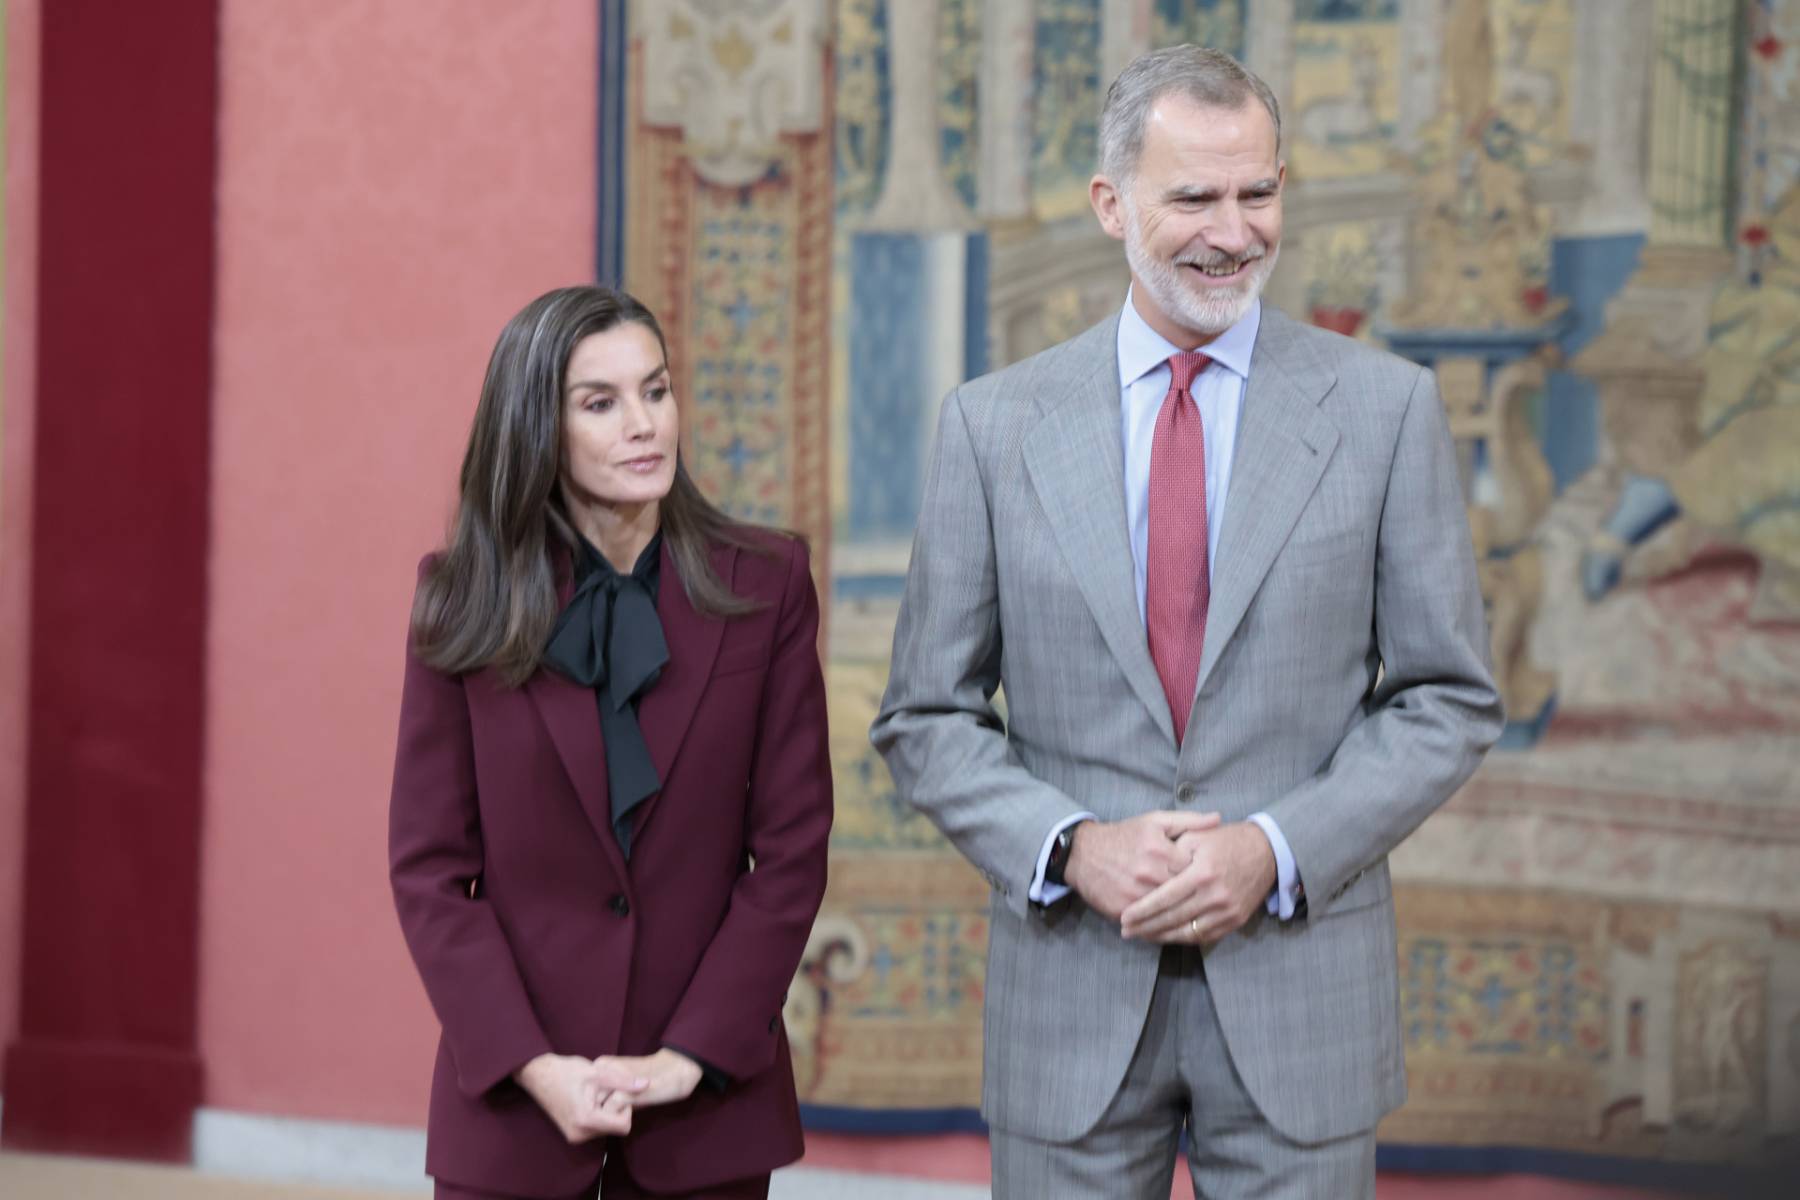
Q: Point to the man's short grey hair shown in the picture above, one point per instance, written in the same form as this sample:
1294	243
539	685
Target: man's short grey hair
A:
1210	78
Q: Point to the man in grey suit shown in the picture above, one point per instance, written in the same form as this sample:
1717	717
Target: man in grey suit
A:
1219	562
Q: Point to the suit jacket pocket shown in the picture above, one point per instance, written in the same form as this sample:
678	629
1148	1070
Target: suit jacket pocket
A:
1330	550
739	659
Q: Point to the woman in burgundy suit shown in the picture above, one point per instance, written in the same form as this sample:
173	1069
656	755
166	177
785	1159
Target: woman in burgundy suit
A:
611	792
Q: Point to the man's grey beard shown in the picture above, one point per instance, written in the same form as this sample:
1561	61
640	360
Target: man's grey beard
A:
1208	315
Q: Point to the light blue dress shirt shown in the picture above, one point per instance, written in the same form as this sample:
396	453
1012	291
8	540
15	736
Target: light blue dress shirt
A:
1219	392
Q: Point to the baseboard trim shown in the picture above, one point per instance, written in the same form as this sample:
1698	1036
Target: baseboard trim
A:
349	1154
307	1150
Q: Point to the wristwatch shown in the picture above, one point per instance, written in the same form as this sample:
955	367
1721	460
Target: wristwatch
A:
1059	854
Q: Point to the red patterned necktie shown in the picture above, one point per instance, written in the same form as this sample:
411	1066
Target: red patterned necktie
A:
1177	588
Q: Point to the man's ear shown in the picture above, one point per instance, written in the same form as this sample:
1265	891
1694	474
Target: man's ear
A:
1108	205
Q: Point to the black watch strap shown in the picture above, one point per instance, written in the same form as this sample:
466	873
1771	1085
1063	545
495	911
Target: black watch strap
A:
1059	854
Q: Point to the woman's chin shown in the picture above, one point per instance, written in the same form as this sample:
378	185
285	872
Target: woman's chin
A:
640	492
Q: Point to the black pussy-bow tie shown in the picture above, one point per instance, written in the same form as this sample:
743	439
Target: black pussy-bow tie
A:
610	638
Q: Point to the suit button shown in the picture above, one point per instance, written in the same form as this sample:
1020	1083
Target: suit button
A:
774	1024
1186	793
620	905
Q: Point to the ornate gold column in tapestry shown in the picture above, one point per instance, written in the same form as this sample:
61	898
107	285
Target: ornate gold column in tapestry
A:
729	241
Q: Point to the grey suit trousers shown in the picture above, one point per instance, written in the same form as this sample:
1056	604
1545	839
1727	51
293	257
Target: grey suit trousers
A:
1181	1075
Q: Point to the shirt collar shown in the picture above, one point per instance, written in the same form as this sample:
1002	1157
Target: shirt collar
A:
588	560
1142	349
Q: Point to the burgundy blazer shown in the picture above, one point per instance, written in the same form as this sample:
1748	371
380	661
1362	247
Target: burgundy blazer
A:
533	934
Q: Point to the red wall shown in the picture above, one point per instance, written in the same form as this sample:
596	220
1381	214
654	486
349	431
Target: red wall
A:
396	179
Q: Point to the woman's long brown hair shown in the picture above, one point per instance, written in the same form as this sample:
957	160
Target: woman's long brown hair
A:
490	598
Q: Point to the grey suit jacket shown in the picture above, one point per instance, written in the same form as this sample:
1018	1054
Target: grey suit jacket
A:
1344	689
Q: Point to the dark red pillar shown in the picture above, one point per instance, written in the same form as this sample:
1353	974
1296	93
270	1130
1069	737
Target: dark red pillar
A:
105	1059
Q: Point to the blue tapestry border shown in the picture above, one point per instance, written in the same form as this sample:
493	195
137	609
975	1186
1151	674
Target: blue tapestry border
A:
615	61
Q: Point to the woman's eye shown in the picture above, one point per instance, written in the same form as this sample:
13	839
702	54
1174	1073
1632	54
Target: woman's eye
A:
598	403
657	393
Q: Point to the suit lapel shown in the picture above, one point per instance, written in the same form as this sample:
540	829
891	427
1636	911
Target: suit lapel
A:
572	716
1284	441
667	709
1075	458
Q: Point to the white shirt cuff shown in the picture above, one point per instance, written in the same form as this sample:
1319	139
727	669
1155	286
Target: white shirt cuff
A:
1050	893
1286	896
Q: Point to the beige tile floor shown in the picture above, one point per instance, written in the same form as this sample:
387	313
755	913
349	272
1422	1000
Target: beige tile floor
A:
38	1177
44	1177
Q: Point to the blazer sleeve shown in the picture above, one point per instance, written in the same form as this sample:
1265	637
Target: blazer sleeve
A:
1436	710
730	1015
434	861
943	740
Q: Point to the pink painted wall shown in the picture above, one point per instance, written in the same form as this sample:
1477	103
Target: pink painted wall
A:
18	353
397	177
